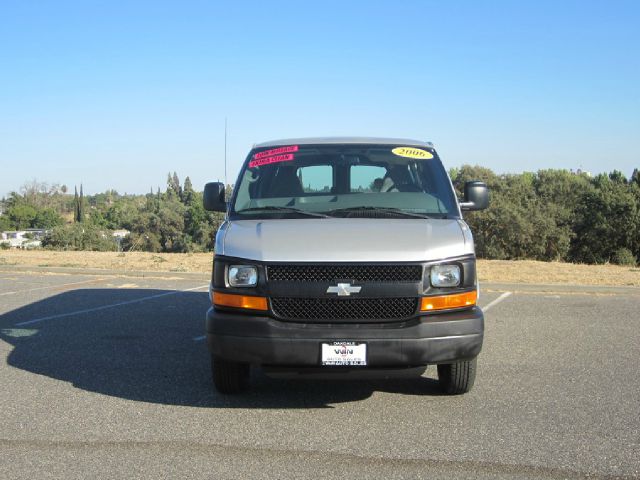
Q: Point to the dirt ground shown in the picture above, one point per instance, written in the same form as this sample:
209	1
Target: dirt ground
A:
130	261
489	270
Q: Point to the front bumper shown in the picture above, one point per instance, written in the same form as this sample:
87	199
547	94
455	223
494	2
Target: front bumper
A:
423	340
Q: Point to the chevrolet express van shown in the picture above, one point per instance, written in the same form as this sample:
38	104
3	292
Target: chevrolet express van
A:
344	256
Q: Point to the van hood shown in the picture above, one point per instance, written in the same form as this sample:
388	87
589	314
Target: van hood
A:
344	240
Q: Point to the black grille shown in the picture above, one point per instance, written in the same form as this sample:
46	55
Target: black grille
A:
355	273
344	309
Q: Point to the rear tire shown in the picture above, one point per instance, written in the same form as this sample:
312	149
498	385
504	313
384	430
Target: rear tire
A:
229	377
457	378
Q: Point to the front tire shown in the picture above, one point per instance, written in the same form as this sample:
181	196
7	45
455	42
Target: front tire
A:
457	378
229	377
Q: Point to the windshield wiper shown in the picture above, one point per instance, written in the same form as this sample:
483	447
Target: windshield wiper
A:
282	209
383	210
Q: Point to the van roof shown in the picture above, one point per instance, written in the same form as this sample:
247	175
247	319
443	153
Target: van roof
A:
341	140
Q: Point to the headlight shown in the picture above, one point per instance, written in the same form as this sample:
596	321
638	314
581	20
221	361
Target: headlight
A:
445	275
242	276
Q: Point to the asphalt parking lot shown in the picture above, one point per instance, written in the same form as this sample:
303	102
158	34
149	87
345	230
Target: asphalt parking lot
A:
106	375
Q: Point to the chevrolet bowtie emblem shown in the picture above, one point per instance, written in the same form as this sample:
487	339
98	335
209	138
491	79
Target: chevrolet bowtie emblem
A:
344	289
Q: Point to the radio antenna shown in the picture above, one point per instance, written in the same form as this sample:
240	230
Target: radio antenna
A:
225	152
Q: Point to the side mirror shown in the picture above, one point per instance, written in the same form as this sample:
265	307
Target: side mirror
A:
476	196
213	198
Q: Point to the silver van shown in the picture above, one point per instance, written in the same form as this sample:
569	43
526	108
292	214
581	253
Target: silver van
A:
344	256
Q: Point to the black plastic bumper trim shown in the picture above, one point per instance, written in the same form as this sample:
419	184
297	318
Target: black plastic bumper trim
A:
261	340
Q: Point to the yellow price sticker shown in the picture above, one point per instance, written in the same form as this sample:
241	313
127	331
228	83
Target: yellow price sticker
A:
411	152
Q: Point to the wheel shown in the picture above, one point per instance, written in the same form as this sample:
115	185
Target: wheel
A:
229	377
457	378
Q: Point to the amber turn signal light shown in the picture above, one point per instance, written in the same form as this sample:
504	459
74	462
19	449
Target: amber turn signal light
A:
443	302
239	301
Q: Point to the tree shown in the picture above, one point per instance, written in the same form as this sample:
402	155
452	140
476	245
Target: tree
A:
560	192
195	215
188	193
79	236
171	226
22	216
76	203
141	242
5	223
523	220
608	219
34	191
617	176
81	206
152	202
228	191
97	219
171	221
176	185
173	186
121	214
47	218
78	206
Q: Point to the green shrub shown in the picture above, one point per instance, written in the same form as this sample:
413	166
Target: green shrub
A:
79	236
624	256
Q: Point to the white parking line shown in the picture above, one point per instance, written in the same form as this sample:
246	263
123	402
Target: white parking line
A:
105	307
53	286
496	301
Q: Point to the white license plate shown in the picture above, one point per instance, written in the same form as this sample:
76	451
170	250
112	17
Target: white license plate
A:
344	354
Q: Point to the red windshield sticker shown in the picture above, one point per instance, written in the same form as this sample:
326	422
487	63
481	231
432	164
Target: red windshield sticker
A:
275	151
274	159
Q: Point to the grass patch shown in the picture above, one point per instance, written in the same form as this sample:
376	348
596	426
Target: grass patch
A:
497	271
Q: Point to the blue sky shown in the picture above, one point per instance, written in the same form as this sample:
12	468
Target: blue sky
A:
117	94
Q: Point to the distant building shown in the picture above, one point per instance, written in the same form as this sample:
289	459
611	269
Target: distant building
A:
29	238
119	236
581	172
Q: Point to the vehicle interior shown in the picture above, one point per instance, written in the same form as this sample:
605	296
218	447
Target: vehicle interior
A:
320	181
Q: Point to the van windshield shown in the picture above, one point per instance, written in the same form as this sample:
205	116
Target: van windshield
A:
311	181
